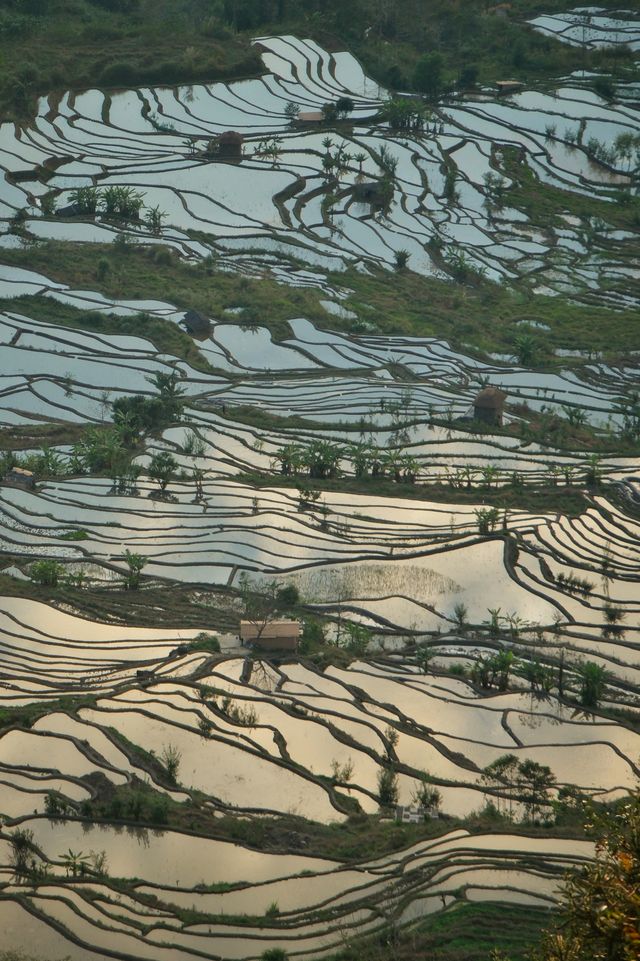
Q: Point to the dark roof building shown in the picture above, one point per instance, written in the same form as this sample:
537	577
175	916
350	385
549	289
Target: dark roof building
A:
18	477
489	406
373	192
197	324
230	145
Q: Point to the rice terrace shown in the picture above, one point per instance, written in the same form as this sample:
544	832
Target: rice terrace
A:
320	480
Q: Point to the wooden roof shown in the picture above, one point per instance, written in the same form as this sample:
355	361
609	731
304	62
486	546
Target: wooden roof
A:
249	630
311	116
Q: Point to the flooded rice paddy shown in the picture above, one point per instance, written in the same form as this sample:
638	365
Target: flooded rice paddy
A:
282	203
260	741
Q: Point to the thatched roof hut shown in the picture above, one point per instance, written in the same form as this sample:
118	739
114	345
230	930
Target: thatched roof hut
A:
489	406
197	324
374	192
230	145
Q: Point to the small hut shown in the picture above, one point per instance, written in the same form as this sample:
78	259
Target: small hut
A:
374	192
489	406
230	145
272	636
311	117
506	87
197	324
18	477
415	814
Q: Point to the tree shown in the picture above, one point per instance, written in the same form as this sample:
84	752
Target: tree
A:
287	597
426	796
526	349
468	76
401	258
600	905
357	638
261	601
162	467
75	863
592	470
460	615
85	200
329	112
344	106
171	758
387	787
424	656
502	774
22	852
120	202
593	678
135	563
171	392
427	75
291	111
613	616
154	218
47	573
535	783
487	518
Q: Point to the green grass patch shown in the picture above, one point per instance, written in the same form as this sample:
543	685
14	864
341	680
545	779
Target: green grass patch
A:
543	499
26	715
479	318
165	336
470	931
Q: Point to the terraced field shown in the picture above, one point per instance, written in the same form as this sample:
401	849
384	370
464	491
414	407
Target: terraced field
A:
119	743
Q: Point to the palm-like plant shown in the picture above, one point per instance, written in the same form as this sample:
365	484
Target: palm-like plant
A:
75	862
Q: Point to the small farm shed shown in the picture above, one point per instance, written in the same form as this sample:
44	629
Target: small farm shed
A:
370	192
506	87
197	324
310	116
489	406
410	814
18	477
274	636
230	145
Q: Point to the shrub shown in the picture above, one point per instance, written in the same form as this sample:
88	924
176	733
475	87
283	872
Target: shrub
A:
118	74
171	758
288	596
103	268
401	259
47	573
387	787
427	76
206	642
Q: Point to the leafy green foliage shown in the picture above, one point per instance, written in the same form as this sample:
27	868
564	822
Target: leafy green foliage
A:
162	468
600	905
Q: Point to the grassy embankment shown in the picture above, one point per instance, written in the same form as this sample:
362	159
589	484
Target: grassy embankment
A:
52	45
458	314
480	317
